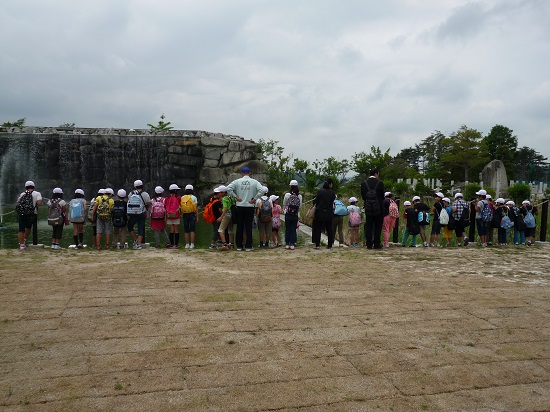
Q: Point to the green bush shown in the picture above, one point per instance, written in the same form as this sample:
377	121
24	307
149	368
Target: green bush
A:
470	191
519	192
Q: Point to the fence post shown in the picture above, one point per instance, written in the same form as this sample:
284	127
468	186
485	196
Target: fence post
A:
396	228
35	232
544	220
472	232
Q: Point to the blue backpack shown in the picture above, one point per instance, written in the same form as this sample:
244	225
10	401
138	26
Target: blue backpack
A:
339	208
529	220
76	211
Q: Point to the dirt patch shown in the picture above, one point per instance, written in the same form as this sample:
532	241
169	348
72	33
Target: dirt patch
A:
311	330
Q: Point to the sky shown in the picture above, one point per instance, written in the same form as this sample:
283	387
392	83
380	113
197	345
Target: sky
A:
322	77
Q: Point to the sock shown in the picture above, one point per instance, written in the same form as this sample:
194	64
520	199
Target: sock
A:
81	237
177	236
75	237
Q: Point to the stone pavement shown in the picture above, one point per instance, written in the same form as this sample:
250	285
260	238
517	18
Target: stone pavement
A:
341	330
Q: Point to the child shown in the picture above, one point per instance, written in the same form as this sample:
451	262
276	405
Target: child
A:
103	215
226	219
424	219
390	214
435	234
500	211
413	228
354	221
77	216
217	209
56	216
190	212
291	207
519	224
92	217
158	216
448	229
529	212
120	220
264	213
276	222
172	203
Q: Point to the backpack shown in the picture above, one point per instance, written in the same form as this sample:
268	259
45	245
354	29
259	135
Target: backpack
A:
394	209
506	222
119	214
172	204
266	210
355	218
519	222
443	217
414	228
529	220
293	205
76	211
208	213
25	204
136	205
55	214
91	210
104	209
423	217
486	212
339	208
187	205
372	204
158	210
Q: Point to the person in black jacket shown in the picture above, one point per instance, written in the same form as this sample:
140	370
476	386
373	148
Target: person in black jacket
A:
324	205
373	212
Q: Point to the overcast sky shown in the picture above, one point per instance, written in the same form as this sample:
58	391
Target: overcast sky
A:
325	78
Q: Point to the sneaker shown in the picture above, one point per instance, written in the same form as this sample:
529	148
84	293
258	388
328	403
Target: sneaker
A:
187	245
168	245
138	247
192	246
222	248
249	249
135	243
80	246
175	246
287	247
466	241
107	247
53	247
425	244
22	246
529	243
99	247
240	249
292	247
212	246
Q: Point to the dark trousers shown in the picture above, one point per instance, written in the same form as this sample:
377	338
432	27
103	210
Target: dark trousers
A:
318	227
245	216
373	231
291	221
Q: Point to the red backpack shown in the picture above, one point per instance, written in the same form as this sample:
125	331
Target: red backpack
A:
208	213
172	204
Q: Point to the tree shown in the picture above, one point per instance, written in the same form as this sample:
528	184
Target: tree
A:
412	156
18	123
464	153
279	172
162	125
501	144
67	125
530	165
432	149
519	192
362	162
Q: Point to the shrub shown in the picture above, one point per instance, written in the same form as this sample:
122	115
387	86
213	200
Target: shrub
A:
519	192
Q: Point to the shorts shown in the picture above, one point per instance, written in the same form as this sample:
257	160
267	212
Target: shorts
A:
481	227
226	223
274	230
140	220
104	226
264	228
26	222
189	222
173	221
436	228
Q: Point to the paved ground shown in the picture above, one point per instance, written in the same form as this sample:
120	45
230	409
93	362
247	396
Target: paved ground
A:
345	330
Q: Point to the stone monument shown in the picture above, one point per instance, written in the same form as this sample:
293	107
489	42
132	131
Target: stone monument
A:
494	176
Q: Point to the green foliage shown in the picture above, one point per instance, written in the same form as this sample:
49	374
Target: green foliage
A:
400	188
420	189
162	125
362	162
17	123
501	144
67	125
470	191
433	148
279	171
519	192
531	165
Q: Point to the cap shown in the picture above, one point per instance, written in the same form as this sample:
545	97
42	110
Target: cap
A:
387	194
121	193
510	202
159	190
416	198
293	182
109	191
174	186
526	202
245	169
217	189
353	199
222	189
101	191
273	197
189	187
481	193
406	203
439	194
457	195
79	191
500	200
138	183
29	183
58	190
489	196
265	189
446	199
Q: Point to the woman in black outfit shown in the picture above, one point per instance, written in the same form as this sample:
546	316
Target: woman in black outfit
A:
324	204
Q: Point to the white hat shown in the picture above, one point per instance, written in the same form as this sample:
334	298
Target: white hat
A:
58	190
526	202
353	199
159	190
79	191
406	203
101	191
439	194
174	186
446	199
481	193
109	191
138	183
293	183
387	194
265	189
217	189
457	195
510	202
189	187
222	189
416	198
500	200
489	196
121	193
29	183
273	197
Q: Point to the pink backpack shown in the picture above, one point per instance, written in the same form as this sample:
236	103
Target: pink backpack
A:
158	210
394	210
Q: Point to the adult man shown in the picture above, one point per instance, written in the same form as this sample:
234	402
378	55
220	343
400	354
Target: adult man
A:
246	190
138	203
27	204
372	192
